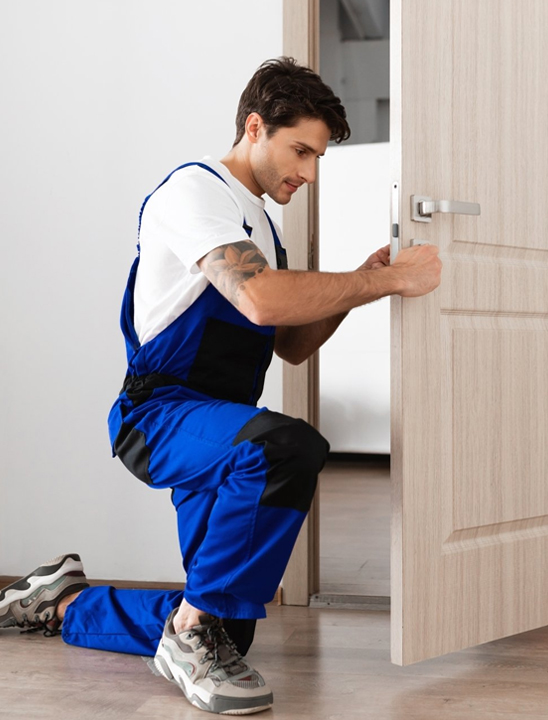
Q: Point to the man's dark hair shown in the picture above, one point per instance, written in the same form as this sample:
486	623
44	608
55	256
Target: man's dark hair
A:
283	93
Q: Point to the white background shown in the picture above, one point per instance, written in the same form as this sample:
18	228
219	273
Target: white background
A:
100	100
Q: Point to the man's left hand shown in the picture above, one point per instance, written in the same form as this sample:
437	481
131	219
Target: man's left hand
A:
379	259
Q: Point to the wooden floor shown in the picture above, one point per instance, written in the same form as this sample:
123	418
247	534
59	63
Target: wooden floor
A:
355	528
322	664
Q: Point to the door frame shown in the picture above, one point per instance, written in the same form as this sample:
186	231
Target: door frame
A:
301	35
301	231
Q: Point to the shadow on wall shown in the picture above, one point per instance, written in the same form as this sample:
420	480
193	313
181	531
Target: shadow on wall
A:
346	425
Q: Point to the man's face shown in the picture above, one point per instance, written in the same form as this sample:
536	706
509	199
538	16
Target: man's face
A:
280	164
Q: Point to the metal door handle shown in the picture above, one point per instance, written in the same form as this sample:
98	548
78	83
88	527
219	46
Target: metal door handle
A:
423	207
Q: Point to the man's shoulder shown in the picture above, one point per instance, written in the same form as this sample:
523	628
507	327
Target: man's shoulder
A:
199	172
197	178
193	191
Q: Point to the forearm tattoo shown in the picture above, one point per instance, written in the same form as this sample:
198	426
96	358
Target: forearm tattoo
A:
229	267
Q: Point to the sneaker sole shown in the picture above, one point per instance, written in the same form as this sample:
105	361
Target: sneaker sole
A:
50	571
201	698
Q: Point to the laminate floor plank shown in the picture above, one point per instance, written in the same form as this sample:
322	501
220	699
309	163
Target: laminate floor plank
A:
355	528
323	664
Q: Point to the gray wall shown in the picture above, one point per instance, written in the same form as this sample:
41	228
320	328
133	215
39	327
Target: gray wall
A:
100	101
357	68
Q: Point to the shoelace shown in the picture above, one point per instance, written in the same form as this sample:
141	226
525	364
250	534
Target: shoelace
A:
35	625
214	636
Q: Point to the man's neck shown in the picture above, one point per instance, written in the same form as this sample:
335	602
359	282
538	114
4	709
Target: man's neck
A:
238	164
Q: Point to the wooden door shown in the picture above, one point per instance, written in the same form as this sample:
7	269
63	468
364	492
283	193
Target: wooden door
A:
469	122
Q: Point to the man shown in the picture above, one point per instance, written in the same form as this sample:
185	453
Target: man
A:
208	301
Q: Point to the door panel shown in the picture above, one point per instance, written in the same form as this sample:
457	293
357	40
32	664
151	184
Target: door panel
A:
469	119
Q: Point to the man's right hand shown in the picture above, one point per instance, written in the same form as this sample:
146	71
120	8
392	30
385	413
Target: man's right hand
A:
419	269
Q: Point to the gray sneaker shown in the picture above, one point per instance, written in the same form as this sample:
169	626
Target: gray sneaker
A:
31	602
206	665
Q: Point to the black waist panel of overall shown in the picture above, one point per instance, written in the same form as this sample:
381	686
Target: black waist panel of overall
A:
239	381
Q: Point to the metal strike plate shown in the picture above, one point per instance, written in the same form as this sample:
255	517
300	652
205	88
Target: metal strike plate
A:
395	222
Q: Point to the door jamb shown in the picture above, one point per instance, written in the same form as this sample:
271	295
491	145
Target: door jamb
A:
301	33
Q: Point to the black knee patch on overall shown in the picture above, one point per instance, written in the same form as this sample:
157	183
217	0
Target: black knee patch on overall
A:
296	453
132	449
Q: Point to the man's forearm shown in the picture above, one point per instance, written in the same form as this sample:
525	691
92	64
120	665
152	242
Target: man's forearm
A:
291	297
296	343
241	273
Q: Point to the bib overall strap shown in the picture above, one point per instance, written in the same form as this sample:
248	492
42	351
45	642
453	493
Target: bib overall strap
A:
281	254
202	165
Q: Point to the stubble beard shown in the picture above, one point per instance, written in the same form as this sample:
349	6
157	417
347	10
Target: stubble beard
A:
271	182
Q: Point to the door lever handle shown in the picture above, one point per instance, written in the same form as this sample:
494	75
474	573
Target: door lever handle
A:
422	208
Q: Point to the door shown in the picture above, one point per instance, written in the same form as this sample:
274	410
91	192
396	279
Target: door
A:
469	122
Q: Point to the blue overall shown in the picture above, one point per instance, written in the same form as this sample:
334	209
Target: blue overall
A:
242	477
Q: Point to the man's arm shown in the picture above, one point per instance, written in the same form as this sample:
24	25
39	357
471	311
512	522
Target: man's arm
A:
296	344
292	297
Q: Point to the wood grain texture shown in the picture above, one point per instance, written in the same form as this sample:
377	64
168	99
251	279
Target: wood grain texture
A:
470	394
300	384
396	345
321	665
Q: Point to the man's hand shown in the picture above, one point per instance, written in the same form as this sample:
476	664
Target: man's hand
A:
381	258
419	269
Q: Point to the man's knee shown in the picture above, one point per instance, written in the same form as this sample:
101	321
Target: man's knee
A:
295	452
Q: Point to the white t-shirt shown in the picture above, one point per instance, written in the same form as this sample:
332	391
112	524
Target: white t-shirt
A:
191	214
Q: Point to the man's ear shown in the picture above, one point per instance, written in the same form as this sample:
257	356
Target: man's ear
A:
253	125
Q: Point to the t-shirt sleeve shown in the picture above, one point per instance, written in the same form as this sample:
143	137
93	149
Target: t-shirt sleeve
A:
197	213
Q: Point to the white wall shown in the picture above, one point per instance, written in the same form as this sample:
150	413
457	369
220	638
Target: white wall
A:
100	101
355	362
